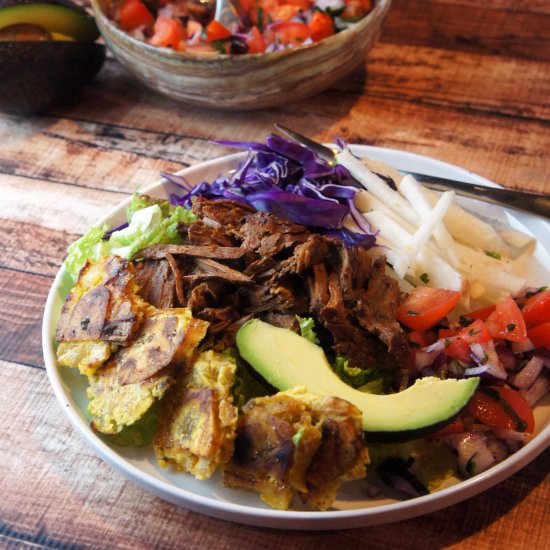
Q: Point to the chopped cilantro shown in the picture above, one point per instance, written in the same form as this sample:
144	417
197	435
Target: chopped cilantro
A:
425	278
511	327
530	293
219	46
493	254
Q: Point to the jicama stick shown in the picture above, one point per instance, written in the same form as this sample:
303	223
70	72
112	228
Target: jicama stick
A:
470	230
416	242
414	192
377	186
429	268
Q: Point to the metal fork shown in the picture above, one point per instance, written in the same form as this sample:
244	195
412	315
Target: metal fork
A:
519	200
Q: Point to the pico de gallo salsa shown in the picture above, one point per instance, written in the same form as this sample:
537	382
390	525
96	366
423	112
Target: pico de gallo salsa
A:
267	25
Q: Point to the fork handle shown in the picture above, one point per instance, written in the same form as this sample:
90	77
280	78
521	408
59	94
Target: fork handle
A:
520	200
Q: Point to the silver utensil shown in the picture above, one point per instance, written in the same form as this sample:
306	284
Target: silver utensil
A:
519	200
227	12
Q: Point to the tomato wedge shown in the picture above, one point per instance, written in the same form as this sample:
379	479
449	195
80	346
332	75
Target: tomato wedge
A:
540	335
502	407
424	307
507	322
457	348
536	309
481	313
320	26
291	33
476	333
133	14
216	31
255	41
455	427
168	33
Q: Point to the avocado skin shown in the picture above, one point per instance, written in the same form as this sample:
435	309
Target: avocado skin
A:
37	75
69	17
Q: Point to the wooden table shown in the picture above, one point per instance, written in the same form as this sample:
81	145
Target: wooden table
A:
466	82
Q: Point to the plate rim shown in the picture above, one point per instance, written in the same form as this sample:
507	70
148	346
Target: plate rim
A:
266	517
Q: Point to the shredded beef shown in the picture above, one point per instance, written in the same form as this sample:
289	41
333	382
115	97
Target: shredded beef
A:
156	283
257	264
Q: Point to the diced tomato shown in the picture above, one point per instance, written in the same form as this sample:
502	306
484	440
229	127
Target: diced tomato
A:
419	338
425	306
502	407
481	313
133	14
536	309
447	333
302	4
457	348
246	5
356	9
284	12
476	333
216	31
540	335
507	322
455	427
291	33
255	41
320	26
168	33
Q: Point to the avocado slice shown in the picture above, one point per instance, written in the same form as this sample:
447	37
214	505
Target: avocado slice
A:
287	360
56	17
36	75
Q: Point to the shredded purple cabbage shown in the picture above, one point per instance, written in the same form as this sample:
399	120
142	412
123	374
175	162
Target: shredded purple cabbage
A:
290	181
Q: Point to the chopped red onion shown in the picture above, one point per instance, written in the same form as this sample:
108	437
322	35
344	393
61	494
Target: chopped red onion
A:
545	360
506	357
538	389
503	433
528	374
520	347
487	362
423	358
474	456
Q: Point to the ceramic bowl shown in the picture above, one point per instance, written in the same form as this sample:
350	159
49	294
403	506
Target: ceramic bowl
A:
244	81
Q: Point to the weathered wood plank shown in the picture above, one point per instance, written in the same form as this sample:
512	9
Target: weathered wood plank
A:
77	499
32	248
90	154
516	29
21	311
484	83
67	208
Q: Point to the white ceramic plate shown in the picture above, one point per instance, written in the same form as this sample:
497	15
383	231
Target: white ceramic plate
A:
353	508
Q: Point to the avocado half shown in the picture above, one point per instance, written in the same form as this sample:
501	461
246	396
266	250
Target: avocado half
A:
37	73
287	360
55	16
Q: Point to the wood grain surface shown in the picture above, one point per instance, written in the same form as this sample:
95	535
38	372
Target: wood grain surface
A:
466	82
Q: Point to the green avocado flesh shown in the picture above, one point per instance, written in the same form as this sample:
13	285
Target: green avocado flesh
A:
287	360
69	21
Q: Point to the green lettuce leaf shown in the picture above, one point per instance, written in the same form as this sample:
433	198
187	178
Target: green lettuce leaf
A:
150	222
90	246
370	380
307	329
